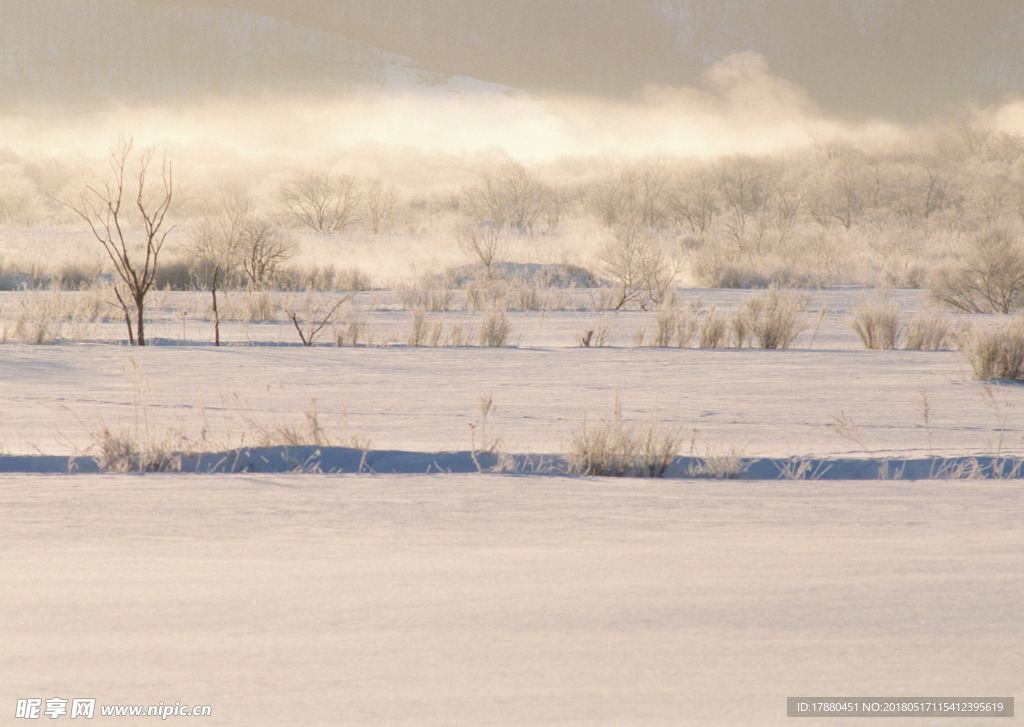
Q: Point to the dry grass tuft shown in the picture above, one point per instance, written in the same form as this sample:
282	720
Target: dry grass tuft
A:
772	319
996	352
495	329
615	448
878	323
121	451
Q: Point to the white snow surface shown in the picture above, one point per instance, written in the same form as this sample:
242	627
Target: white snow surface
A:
476	598
424	401
293	599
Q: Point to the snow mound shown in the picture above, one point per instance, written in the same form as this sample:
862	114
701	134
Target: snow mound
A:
555	275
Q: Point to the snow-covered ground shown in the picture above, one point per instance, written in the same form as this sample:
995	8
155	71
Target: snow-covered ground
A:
827	398
505	600
402	598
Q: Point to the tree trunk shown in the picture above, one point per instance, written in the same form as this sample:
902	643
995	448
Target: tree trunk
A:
127	316
140	336
216	315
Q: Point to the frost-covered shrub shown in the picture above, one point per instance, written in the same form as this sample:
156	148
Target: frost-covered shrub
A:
495	329
996	352
431	292
636	260
676	325
615	448
715	331
417	329
878	324
771	319
486	292
988	279
929	331
121	451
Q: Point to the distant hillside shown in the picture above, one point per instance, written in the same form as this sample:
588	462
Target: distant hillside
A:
898	58
83	52
866	57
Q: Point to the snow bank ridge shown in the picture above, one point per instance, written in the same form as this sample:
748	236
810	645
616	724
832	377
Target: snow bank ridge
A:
342	460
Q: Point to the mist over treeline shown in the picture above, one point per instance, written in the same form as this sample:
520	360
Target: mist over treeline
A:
898	59
740	170
885	212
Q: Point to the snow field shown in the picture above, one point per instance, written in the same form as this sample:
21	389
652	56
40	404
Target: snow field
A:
834	399
505	600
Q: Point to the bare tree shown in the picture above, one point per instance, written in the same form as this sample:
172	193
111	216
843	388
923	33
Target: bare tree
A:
20	200
321	201
381	200
510	196
693	200
925	188
743	188
637	195
242	245
988	279
558	204
990	197
132	235
264	249
842	191
217	240
637	261
310	320
484	242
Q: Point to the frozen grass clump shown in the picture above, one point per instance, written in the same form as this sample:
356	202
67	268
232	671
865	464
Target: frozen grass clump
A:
121	451
996	352
676	324
430	292
615	448
351	279
929	331
44	316
717	464
260	306
771	319
878	323
495	329
309	432
484	292
715	331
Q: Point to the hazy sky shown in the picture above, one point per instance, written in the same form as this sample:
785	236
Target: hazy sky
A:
238	84
866	58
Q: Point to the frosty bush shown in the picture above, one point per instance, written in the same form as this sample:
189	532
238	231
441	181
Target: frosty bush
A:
417	329
121	451
715	332
717	463
878	323
929	331
484	292
495	329
990	278
676	325
614	448
773	319
432	292
637	261
996	352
